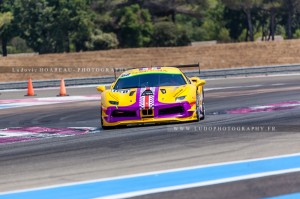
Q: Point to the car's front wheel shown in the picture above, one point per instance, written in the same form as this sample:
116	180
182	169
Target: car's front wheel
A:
102	126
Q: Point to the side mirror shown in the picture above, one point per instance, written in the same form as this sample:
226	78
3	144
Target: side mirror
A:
194	79
101	88
197	81
201	82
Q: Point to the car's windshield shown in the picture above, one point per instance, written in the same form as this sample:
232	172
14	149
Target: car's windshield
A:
150	80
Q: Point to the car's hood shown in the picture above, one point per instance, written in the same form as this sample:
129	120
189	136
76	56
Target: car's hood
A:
146	97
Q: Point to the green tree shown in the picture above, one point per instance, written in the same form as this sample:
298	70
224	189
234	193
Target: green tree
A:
235	22
8	25
158	8
135	27
165	34
5	18
273	8
193	8
5	24
297	34
81	24
212	26
190	25
36	19
51	26
247	6
290	7
214	23
102	41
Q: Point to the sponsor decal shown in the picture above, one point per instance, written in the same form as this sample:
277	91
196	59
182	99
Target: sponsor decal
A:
144	69
120	91
150	68
156	68
147	98
125	75
147	93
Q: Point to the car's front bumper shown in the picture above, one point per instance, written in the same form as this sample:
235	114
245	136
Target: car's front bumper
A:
174	112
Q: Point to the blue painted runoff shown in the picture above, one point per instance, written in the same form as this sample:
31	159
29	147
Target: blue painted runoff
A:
287	196
110	187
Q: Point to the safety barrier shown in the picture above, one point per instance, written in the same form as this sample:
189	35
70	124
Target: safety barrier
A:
205	74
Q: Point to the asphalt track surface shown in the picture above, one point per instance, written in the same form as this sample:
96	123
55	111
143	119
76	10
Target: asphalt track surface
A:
158	147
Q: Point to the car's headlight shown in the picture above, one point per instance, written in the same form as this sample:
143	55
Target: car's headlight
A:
180	98
114	102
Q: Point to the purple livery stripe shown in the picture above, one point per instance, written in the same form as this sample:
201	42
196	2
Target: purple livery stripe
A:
147	101
143	103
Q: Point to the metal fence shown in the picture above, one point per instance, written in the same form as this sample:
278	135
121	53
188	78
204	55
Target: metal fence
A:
205	74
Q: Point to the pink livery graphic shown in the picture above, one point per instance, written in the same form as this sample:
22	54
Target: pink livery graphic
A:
21	134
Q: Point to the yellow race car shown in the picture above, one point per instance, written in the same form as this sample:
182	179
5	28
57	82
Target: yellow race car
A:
152	95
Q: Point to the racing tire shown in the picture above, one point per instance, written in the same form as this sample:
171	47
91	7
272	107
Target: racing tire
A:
202	112
102	126
202	107
109	127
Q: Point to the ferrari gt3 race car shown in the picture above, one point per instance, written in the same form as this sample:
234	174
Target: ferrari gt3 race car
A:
152	95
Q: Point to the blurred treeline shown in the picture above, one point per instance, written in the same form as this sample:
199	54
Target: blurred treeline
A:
55	26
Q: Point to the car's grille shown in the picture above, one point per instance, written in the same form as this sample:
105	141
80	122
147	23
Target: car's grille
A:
172	110
120	113
147	112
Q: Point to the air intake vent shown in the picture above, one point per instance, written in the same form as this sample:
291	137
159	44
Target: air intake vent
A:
147	113
120	113
163	91
172	110
131	93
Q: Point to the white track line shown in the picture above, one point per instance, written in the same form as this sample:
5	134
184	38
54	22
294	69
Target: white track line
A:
152	173
200	184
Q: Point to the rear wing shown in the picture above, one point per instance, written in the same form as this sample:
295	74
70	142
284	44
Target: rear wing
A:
187	66
116	70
